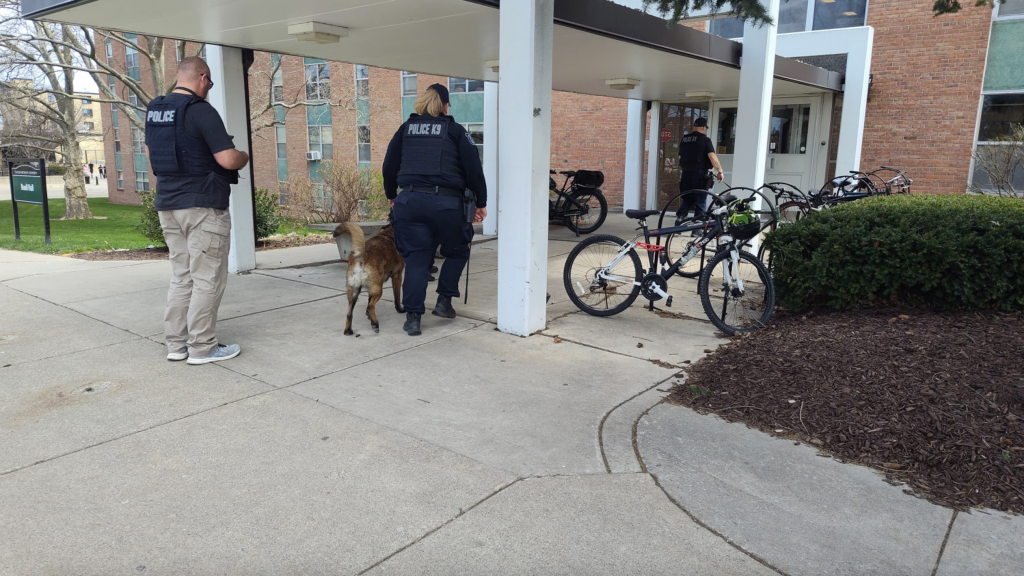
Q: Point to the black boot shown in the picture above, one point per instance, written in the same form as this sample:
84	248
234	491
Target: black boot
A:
443	308
412	324
430	274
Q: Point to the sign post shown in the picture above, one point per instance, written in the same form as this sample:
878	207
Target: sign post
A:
28	185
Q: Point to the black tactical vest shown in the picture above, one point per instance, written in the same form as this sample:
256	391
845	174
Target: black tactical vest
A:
188	174
693	154
429	150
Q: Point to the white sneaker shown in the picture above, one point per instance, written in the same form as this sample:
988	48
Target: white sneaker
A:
179	355
222	352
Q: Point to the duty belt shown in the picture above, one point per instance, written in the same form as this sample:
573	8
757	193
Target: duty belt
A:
439	190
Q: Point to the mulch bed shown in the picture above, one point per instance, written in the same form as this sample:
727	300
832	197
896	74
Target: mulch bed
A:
273	243
934	400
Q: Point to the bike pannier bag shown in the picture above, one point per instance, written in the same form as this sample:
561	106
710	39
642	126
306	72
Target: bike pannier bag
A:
589	178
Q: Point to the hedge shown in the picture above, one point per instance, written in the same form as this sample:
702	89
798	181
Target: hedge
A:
945	252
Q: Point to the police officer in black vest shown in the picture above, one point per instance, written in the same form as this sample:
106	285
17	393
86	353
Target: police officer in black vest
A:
696	156
195	162
434	179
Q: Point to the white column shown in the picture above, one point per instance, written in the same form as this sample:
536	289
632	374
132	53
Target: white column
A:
753	118
653	163
524	115
855	103
633	180
228	98
491	156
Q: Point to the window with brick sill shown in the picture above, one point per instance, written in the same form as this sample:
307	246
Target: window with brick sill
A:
318	82
802	16
120	179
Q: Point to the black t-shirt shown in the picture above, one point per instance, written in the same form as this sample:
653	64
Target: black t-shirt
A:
693	152
203	121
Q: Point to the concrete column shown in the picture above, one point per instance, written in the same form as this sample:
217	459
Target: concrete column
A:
653	162
753	117
228	98
491	156
636	121
524	138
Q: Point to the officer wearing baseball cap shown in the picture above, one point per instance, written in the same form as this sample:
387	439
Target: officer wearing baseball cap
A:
435	182
696	157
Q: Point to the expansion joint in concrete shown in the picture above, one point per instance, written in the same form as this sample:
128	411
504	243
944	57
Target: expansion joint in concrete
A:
428	533
942	549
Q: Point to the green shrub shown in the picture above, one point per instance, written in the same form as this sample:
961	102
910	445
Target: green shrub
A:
944	252
55	169
268	213
149	225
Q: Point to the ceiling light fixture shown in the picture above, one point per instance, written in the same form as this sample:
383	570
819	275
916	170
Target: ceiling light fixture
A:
700	94
827	1
493	65
317	32
622	83
849	13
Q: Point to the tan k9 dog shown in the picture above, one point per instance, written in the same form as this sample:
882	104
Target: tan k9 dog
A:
371	263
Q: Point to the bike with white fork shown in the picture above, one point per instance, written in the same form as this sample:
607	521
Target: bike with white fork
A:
603	275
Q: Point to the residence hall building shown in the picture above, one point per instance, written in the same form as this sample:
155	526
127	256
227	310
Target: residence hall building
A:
939	87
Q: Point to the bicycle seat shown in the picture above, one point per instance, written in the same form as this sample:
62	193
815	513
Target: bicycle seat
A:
728	198
568	172
641	214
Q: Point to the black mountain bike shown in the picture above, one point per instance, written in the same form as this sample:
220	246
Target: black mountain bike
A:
603	275
579	203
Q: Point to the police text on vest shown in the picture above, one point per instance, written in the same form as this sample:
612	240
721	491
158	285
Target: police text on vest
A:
157	116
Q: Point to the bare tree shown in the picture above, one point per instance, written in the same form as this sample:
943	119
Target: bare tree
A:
1001	161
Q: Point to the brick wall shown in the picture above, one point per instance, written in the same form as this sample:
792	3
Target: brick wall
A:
923	103
589	133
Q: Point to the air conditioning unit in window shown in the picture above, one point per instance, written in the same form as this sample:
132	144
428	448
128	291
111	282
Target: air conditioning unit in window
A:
313	155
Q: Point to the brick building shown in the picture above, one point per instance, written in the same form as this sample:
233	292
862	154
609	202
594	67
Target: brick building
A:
939	87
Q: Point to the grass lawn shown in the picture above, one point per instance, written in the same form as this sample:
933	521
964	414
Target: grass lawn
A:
116	231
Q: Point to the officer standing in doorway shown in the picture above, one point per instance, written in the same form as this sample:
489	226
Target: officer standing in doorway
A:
435	182
696	157
196	163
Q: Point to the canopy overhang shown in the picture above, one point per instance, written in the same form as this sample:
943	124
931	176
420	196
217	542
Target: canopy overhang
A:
594	40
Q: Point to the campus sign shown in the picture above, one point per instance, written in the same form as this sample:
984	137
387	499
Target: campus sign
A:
28	186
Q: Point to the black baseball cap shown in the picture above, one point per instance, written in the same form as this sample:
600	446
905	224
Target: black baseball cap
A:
441	91
700	123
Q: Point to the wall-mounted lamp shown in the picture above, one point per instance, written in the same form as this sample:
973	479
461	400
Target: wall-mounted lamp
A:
317	32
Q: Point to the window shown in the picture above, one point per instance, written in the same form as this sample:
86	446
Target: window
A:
138	141
788	131
117	142
998	113
363	148
51	98
141	181
465	85
87	127
113	90
321	140
131	57
86	101
408	84
1010	8
87	112
476	133
277	81
318	81
120	179
282	153
726	141
839	14
803	15
110	49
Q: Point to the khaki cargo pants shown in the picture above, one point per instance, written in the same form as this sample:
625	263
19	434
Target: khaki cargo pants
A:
198	240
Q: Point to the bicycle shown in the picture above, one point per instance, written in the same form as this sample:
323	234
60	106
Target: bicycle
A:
675	243
579	203
603	274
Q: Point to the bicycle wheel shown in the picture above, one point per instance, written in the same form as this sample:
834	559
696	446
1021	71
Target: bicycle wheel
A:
595	210
595	286
676	246
731	311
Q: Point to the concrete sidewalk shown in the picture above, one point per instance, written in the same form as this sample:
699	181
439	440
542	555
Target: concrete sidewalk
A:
463	451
